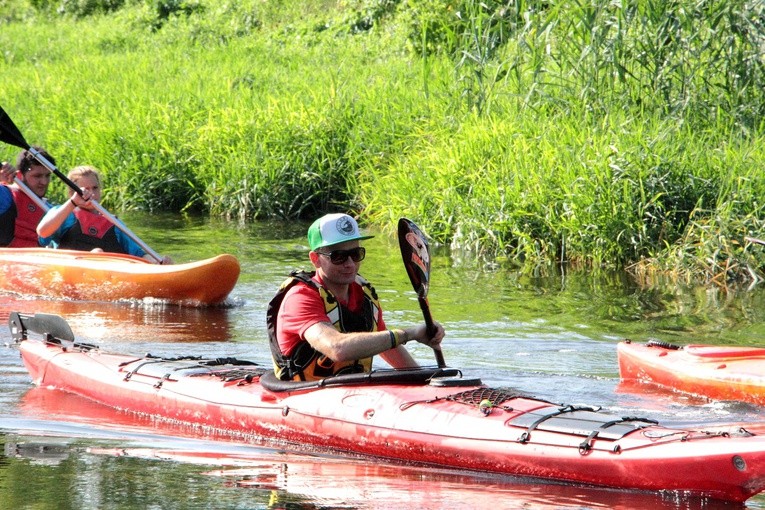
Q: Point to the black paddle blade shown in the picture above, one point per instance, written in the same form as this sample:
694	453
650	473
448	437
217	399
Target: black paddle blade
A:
416	255
9	133
46	324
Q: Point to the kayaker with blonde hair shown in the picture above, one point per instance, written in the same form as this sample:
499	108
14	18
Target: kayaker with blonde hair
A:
20	213
77	225
330	321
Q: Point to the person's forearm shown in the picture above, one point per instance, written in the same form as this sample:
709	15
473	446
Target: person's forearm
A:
51	222
399	358
352	346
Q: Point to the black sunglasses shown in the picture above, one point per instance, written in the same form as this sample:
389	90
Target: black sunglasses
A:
338	257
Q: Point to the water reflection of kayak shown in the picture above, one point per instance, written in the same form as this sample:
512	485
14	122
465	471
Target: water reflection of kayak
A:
291	478
713	371
115	322
428	416
82	275
366	484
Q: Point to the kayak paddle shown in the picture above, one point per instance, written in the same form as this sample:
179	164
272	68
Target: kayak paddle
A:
416	255
11	135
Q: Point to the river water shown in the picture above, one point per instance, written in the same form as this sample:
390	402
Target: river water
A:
552	337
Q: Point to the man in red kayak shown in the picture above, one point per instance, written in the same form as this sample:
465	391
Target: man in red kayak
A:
329	321
20	213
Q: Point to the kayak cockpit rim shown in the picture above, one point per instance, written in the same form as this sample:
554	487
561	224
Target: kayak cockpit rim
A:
383	376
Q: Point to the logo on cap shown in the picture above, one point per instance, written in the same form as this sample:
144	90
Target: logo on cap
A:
345	226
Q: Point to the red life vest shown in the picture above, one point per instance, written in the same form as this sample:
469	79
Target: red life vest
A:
24	215
91	231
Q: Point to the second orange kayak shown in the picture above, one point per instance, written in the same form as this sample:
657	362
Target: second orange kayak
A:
80	275
713	371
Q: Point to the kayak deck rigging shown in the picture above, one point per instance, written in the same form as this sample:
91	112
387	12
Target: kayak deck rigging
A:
580	420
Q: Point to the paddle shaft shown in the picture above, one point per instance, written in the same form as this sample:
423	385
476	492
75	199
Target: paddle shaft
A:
431	329
98	207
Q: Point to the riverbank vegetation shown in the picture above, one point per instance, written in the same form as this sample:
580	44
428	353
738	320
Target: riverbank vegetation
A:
537	133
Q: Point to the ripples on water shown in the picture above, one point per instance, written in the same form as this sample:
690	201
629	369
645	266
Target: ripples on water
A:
551	338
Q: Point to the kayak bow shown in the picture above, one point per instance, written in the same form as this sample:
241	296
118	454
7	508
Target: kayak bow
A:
711	371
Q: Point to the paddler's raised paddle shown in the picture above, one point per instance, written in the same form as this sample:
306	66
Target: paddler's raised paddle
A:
10	134
416	255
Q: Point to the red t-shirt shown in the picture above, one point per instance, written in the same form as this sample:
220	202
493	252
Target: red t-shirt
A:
303	307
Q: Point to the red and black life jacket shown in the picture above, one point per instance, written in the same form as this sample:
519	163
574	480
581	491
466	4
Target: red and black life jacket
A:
91	231
305	363
18	225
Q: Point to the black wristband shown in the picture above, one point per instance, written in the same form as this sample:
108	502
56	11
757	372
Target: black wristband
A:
72	201
393	343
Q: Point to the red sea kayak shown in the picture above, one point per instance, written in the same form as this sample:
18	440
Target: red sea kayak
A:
425	416
716	372
87	275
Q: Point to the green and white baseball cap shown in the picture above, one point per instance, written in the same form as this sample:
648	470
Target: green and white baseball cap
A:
333	229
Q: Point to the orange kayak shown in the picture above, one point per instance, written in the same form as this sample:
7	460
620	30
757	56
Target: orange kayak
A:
83	275
713	371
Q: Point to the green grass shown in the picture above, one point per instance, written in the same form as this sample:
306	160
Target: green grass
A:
590	133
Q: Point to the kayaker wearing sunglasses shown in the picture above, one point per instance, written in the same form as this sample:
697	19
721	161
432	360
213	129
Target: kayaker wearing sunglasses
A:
329	321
